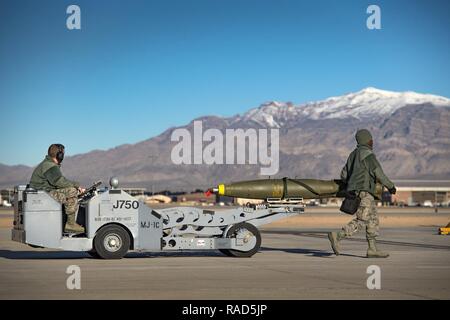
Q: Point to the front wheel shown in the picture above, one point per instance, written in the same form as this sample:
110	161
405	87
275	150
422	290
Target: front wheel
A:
112	242
93	253
243	231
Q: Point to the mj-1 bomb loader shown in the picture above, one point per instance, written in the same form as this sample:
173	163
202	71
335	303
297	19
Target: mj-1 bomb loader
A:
116	222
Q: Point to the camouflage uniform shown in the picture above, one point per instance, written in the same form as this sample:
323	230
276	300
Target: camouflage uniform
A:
68	197
47	176
366	218
361	173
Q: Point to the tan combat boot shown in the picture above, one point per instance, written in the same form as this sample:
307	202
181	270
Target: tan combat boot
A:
72	226
334	238
373	252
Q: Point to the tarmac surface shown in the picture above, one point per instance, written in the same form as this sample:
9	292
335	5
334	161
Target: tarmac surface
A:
293	263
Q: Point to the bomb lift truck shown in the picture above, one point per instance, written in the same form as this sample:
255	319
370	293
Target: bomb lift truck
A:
116	222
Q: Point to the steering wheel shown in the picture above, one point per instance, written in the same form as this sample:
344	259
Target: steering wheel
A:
89	192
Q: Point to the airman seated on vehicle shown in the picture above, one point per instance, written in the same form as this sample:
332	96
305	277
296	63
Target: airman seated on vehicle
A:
47	176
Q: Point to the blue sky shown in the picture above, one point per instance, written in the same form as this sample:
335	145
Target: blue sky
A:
137	68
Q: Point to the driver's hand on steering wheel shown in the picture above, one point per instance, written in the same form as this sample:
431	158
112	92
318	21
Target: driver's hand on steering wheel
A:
81	189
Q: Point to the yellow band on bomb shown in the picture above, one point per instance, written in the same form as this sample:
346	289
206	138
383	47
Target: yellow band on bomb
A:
221	189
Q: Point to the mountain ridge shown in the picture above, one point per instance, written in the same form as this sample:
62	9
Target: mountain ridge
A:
411	141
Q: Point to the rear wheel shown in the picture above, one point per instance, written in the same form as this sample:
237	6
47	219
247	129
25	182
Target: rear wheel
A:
244	231
111	242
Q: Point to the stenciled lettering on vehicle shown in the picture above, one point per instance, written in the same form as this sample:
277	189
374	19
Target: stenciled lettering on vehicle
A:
126	204
148	224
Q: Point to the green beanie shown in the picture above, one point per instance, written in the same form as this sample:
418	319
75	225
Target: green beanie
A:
363	136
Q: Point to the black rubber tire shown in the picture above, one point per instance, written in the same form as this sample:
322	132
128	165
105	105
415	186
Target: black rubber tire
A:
226	252
231	234
108	231
36	247
93	253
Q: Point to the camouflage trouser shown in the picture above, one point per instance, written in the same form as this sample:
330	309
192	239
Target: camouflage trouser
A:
67	197
366	217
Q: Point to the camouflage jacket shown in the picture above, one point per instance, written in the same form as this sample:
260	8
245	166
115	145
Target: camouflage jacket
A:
47	176
362	171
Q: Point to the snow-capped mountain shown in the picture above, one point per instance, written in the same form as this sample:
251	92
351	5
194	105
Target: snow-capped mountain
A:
411	137
362	105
